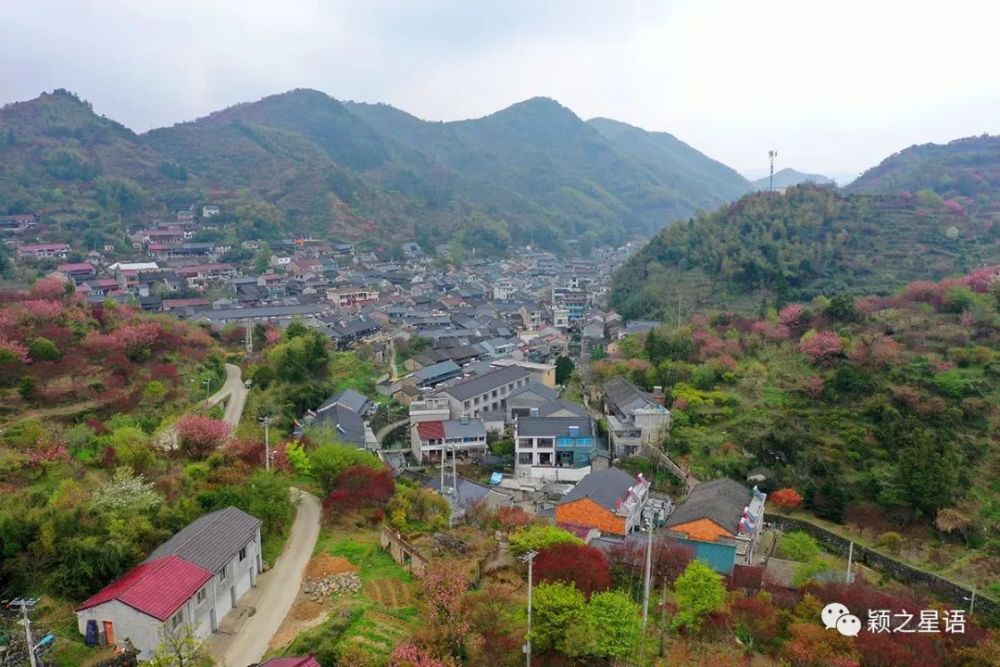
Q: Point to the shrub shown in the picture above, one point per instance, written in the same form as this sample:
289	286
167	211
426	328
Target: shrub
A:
43	349
891	541
538	537
512	518
415	509
786	498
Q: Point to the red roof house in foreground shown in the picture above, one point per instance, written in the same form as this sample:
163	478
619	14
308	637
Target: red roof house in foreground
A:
190	581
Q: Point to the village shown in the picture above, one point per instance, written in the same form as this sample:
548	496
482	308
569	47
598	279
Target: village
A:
489	413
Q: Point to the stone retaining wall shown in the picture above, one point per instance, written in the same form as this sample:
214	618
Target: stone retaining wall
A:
898	570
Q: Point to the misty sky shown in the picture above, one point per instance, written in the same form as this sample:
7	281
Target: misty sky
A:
833	86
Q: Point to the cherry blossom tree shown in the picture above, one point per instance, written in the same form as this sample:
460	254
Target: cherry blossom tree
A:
200	435
821	347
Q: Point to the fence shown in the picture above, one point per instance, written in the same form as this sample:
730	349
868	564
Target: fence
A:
898	570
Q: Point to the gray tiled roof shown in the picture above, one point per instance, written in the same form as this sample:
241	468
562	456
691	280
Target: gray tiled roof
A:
559	404
456	428
537	388
487	382
625	397
210	541
438	370
552	426
349	398
604	487
721	500
347	425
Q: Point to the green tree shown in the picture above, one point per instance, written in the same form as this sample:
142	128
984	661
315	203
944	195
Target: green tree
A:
539	536
262	260
612	626
179	648
43	349
329	460
799	546
697	593
564	370
556	608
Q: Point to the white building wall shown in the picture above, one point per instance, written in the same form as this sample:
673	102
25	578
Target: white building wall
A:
141	629
144	631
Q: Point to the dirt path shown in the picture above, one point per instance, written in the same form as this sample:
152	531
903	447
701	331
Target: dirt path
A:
275	593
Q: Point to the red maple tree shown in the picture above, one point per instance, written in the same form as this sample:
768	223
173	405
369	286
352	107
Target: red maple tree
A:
584	566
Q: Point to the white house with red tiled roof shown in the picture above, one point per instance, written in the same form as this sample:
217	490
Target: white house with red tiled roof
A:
195	578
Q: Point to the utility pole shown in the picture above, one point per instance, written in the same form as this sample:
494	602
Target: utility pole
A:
248	337
648	569
266	421
25	604
850	560
972	600
771	154
529	558
208	385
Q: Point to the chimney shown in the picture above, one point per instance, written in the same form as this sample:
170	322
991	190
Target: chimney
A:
533	412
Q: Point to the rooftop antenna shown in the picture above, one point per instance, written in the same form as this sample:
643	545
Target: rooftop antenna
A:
771	154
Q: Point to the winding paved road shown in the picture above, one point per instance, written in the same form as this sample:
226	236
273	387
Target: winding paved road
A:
234	389
244	640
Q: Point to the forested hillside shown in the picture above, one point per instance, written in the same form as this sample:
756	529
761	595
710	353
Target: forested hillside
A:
777	248
304	162
881	412
968	167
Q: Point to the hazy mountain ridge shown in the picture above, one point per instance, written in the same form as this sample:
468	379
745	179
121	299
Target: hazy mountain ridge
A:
788	177
533	171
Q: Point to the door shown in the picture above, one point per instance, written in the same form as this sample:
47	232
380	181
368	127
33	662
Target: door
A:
109	632
232	595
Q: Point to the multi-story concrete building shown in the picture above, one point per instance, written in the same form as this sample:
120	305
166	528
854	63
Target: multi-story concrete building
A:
484	393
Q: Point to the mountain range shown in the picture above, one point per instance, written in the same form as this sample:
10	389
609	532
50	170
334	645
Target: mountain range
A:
303	162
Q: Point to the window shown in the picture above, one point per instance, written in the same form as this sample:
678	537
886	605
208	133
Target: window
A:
222	573
176	620
524	458
202	594
243	554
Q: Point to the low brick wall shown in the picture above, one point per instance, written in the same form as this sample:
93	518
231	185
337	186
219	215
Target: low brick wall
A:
898	570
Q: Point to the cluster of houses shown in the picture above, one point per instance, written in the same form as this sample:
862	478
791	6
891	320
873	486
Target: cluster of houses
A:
531	305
